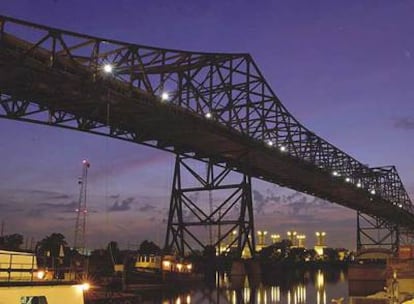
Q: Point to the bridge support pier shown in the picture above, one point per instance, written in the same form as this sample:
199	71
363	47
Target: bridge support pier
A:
196	220
373	232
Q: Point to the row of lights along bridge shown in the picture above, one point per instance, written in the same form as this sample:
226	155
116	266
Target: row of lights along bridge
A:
164	96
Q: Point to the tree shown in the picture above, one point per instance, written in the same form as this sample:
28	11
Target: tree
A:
331	254
11	242
51	245
114	252
277	251
148	247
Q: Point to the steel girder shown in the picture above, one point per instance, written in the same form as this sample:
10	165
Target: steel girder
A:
373	232
56	77
193	214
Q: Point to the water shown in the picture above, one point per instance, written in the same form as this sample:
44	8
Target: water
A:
289	287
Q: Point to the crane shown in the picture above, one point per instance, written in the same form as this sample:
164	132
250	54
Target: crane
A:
79	243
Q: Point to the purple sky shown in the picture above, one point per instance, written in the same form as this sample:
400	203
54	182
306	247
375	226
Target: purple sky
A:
343	68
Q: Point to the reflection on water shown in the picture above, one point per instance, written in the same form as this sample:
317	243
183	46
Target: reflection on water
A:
285	287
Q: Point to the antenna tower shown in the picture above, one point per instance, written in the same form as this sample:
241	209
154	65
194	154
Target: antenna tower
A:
79	243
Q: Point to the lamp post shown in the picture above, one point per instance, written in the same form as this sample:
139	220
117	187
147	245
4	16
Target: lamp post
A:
301	240
292	237
320	242
320	238
275	238
262	241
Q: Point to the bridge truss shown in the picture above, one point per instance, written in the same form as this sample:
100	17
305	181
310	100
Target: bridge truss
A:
209	106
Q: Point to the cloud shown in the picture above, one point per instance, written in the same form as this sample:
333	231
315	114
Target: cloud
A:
49	195
146	208
405	123
258	197
10	206
125	205
261	200
37	213
291	197
69	207
61	218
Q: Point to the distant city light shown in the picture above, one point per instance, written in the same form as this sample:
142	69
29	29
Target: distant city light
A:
372	191
282	148
348	180
359	185
165	96
335	173
108	68
208	115
269	143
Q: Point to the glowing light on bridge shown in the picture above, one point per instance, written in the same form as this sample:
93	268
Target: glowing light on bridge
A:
269	143
372	191
282	148
335	173
165	96
108	68
208	115
359	185
348	180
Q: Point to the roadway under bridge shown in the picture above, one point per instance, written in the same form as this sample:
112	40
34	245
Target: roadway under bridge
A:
213	107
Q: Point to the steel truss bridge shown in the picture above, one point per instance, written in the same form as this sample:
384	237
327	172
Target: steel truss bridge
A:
213	107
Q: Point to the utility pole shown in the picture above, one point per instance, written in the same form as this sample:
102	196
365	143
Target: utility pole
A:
79	243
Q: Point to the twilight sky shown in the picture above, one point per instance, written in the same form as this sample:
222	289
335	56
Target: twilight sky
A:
344	68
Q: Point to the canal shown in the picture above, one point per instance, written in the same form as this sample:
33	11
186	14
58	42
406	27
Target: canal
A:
290	287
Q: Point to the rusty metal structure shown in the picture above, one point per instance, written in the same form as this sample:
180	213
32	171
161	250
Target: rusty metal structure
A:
214	107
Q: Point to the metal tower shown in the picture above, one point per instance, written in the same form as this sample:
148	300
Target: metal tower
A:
187	214
79	243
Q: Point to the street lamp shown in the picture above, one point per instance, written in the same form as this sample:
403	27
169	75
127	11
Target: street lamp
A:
262	235
301	240
292	236
275	238
320	238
